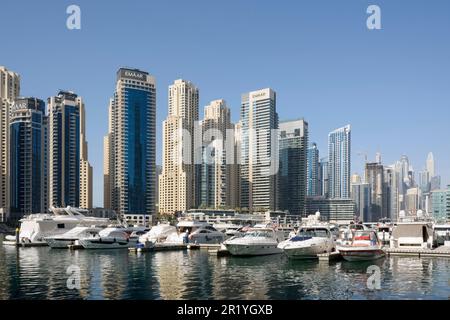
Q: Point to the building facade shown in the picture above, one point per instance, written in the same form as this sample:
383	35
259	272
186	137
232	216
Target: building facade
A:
178	181
28	158
64	149
323	178
333	210
130	160
214	172
259	150
360	193
313	186
339	162
9	91
292	174
374	176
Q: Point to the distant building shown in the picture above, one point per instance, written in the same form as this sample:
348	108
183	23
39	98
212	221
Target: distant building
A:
292	174
412	200
339	162
313	185
374	176
391	189
440	204
102	213
360	194
323	178
338	210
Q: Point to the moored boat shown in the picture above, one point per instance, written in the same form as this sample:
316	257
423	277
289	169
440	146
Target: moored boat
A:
364	246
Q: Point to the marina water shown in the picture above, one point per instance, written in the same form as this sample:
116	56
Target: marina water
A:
41	273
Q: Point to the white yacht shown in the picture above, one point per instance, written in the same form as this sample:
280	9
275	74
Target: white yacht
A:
35	227
158	233
256	241
71	237
110	238
199	232
309	242
412	234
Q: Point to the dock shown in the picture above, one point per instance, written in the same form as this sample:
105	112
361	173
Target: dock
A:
441	251
75	247
169	246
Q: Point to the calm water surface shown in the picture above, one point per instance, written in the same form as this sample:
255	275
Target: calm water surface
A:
40	273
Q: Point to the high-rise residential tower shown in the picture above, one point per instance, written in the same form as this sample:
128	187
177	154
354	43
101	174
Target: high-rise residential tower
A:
177	182
65	143
130	160
28	158
313	186
323	178
86	172
360	193
259	151
339	162
292	174
215	174
9	91
374	176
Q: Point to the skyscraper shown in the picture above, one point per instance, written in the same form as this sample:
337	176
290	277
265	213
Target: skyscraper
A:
28	158
339	162
259	151
292	174
323	178
360	193
313	185
391	199
130	145
430	165
86	172
177	182
64	112
9	91
215	174
374	176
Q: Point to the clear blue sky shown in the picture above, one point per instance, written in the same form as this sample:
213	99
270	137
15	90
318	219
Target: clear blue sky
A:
392	85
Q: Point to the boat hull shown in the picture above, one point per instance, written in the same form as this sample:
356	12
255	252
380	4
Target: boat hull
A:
107	243
357	254
253	250
59	243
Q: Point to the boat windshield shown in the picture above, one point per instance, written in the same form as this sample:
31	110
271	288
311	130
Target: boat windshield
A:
318	233
254	234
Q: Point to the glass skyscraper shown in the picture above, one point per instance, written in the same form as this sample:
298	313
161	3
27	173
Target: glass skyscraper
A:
28	158
293	144
313	186
64	149
339	163
259	151
131	144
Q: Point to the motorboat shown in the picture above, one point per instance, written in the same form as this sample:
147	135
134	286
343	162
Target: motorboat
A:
256	241
198	232
364	246
71	237
110	238
158	233
34	228
384	232
412	235
309	242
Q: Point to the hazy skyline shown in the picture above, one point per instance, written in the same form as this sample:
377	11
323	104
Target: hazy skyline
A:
391	85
